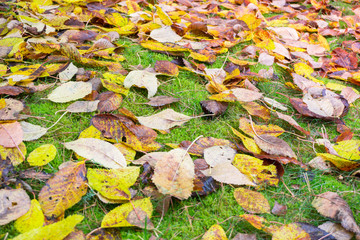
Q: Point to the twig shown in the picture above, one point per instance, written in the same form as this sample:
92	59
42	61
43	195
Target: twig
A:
252	126
88	235
325	236
292	194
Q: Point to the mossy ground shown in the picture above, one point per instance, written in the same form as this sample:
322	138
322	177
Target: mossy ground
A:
189	219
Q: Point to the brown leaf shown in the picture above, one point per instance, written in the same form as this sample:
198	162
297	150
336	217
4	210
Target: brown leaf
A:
167	68
336	230
247	127
64	190
203	143
109	101
274	145
279	209
11	90
243	236
160	101
13	204
11	110
213	107
349	94
139	218
292	122
257	110
330	204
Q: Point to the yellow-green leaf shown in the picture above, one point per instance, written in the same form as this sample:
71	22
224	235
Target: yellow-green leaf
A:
42	155
249	143
113	183
251	201
55	231
34	218
16	157
215	232
349	149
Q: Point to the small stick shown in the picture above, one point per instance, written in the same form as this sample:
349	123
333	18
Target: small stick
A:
292	194
252	126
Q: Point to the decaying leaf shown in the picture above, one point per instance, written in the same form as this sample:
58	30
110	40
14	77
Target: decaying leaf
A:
34	218
99	151
11	134
16	154
340	162
142	79
219	154
174	174
331	205
159	101
315	232
279	209
11	110
202	143
167	68
113	183
290	231
251	201
109	101
213	107
118	216
292	122
14	203
70	91
64	190
274	145
164	120
247	127
215	232
249	143
83	106
42	155
55	231
336	230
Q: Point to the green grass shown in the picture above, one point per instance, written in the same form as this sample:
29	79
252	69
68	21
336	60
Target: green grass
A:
190	218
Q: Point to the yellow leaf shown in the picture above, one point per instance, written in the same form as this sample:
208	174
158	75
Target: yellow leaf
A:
210	58
3	70
13	154
13	42
34	218
42	155
290	232
26	74
157	46
255	170
128	152
251	21
63	190
340	162
118	217
249	143
323	42
165	19
303	69
273	130
256	109
348	149
215	232
55	231
251	201
113	183
259	223
114	82
241	62
91	132
2	103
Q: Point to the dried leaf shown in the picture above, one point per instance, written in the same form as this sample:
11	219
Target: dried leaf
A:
160	101
274	145
348	149
292	122
278	209
167	68
14	203
109	101
215	232
118	216
31	131
330	204
70	91
275	104
42	155
11	134
174	174
142	79
245	95
340	162
213	107
219	154
315	232
98	151
249	143
336	230
11	110
83	106
34	218
13	154
68	73
290	232
64	190
227	173
257	110
164	120
251	201
245	126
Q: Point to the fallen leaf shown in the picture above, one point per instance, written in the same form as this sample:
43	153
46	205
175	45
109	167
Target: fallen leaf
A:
83	106
348	149
243	236
349	94
278	209
34	218
340	162
11	134
140	218
215	232
142	79
330	204
70	91
68	73
160	101
31	131
14	203
251	201
174	174
219	154
249	143
257	110
118	216
42	155
164	35
64	190
290	232
99	151
292	122
227	173
164	120
167	68
213	107
12	110
249	127
275	104
315	232
336	230
13	154
109	101
245	95
113	184
55	231
274	145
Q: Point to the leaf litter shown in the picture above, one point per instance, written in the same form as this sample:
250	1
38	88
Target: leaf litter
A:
194	34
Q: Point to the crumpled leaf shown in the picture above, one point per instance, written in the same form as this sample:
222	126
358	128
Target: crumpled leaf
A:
42	155
330	204
14	203
164	120
251	201
118	216
55	231
274	145
31	131
142	79
34	218
64	190
113	183
174	174
215	232
227	173
70	91
99	151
